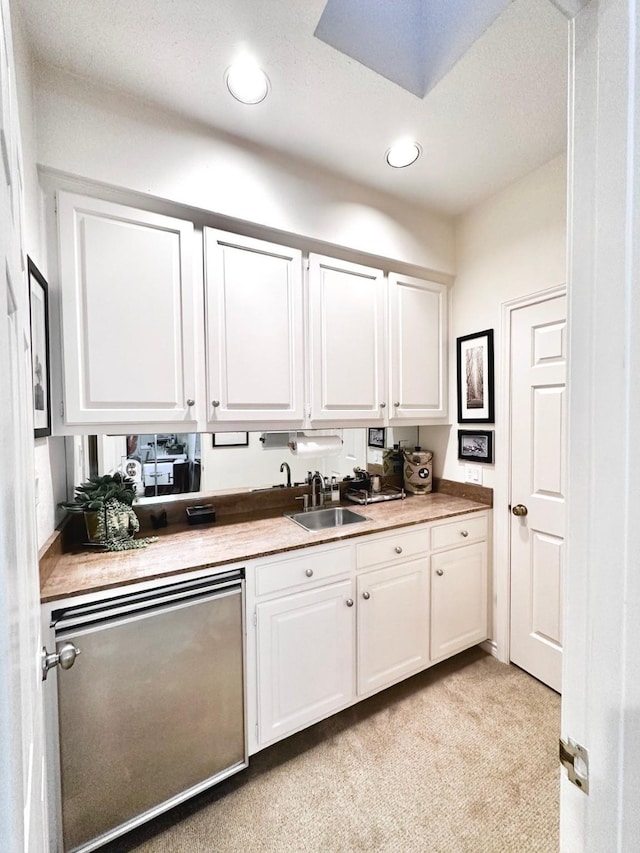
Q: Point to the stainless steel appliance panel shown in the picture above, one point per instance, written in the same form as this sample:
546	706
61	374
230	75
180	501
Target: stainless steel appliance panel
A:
152	707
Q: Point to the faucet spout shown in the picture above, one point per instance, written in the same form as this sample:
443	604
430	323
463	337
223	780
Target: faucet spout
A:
316	497
282	468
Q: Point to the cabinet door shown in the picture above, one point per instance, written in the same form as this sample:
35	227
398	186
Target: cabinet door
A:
459	598
305	658
393	624
418	345
126	287
347	329
254	330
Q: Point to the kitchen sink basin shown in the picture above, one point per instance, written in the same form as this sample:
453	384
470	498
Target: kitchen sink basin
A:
321	519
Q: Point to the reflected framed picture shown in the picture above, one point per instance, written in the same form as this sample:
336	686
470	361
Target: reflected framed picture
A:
39	309
230	439
475	445
475	378
376	436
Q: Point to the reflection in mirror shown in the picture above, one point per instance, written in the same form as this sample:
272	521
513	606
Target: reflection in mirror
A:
172	464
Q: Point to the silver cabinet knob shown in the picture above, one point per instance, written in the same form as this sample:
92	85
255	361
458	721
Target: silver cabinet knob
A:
309	573
398	549
349	602
191	402
519	509
439	572
366	596
215	403
396	405
464	533
383	405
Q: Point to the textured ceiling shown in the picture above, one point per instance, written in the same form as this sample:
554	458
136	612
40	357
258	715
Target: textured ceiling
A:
496	115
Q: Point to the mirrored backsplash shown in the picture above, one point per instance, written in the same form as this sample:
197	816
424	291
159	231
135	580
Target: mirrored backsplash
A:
173	464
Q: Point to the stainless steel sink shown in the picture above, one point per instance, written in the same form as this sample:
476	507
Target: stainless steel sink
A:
321	519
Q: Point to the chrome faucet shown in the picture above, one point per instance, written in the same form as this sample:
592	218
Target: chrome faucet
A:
316	497
282	467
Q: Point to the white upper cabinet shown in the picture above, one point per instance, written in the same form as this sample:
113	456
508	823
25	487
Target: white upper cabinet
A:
418	349
254	331
347	342
126	289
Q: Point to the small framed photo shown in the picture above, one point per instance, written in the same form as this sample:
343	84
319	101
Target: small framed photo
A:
475	445
230	439
376	436
475	378
39	309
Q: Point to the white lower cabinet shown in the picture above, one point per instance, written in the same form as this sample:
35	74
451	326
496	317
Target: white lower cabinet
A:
334	624
458	599
305	658
393	629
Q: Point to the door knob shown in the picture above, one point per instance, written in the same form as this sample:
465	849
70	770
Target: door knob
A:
519	509
191	402
64	658
366	596
349	602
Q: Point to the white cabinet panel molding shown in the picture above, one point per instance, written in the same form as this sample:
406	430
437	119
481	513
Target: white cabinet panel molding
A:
126	282
417	349
347	346
254	330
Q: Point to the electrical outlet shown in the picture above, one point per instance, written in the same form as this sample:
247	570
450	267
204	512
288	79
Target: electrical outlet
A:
473	474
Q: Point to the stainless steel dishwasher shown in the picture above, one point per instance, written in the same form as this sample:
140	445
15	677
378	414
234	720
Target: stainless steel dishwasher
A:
151	710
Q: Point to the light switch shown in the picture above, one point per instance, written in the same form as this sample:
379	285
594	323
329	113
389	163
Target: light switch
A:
473	474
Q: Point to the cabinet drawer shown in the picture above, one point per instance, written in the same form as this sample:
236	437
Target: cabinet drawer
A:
468	529
302	570
397	548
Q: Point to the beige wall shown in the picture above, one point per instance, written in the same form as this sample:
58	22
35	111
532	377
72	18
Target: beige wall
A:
93	133
49	454
509	246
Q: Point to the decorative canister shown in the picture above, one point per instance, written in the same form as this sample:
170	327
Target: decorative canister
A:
392	461
418	473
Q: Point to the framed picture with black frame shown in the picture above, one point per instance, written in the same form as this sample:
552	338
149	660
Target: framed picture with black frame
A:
475	378
376	436
39	311
230	439
475	445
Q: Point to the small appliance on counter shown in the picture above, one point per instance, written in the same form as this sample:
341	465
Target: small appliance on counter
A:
368	488
418	471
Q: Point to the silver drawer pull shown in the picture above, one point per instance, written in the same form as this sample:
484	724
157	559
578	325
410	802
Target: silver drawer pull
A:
464	533
349	602
366	596
309	573
191	402
398	549
439	572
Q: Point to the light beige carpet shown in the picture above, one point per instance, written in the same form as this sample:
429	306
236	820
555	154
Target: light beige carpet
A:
462	757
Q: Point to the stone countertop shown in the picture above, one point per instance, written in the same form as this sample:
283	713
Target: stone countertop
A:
183	548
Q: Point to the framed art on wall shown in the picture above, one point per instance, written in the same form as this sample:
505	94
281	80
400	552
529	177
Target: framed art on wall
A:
475	445
376	436
230	439
39	307
475	378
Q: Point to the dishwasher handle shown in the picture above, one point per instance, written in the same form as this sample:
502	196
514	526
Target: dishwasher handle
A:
65	658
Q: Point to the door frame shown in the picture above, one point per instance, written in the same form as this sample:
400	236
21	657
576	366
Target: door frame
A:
502	526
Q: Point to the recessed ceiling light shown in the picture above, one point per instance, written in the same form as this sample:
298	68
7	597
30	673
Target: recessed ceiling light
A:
247	82
403	153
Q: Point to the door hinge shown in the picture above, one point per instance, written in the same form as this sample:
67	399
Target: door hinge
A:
255	619
62	409
575	758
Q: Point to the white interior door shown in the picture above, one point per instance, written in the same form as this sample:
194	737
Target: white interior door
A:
538	486
22	811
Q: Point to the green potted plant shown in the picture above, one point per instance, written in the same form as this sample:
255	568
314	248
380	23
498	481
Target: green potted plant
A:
106	503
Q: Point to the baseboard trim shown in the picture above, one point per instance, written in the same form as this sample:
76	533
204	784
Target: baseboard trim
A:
491	647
